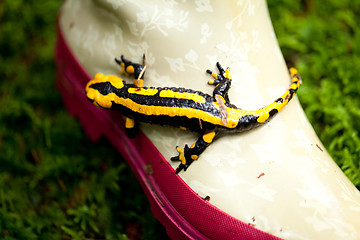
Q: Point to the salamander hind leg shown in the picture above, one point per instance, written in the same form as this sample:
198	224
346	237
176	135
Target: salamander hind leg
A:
184	157
188	155
134	69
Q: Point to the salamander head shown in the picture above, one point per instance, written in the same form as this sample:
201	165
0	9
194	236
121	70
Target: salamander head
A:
100	89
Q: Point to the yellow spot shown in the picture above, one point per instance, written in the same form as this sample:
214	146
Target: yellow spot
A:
98	98
138	82
192	146
183	128
103	101
214	75
143	91
130	69
91	93
116	81
293	86
182	95
227	73
194	157
129	123
208	137
179	149
293	71
181	155
263	116
122	71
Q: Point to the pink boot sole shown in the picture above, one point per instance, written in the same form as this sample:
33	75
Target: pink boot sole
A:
184	213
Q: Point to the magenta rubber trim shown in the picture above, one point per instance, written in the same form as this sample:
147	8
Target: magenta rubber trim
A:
184	214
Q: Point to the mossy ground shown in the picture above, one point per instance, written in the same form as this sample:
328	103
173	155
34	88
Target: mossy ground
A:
56	184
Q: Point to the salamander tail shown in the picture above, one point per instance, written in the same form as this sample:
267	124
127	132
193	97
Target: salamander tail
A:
264	114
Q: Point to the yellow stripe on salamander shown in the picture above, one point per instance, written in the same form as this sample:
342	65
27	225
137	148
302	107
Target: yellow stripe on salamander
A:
106	102
182	95
209	137
143	91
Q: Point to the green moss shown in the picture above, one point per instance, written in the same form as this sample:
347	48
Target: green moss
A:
322	40
54	182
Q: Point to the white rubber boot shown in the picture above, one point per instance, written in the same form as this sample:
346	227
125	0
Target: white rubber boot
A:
278	177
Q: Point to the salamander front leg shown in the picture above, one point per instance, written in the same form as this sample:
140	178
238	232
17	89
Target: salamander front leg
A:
137	70
188	154
129	68
221	81
131	127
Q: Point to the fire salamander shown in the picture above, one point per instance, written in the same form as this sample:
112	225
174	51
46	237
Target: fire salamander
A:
211	116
